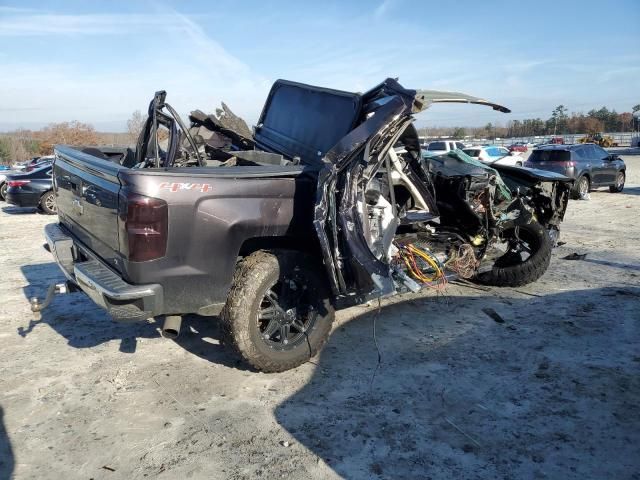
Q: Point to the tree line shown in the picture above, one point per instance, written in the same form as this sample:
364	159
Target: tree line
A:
560	122
23	144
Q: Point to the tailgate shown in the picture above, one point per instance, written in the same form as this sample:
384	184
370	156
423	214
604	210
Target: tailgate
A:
87	190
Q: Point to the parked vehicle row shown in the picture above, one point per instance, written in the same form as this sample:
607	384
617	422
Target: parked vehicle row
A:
588	164
31	187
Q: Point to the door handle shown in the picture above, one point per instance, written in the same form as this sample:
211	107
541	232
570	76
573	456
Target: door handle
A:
77	205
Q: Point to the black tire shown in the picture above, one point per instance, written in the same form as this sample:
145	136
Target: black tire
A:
3	191
48	203
264	285
619	185
511	271
581	187
518	164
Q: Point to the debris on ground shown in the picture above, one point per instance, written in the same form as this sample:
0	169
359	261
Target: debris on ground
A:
490	312
575	256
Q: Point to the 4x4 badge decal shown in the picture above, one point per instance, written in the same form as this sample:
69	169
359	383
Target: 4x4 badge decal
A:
176	187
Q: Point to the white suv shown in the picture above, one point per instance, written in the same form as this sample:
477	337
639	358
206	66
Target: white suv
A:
493	154
443	146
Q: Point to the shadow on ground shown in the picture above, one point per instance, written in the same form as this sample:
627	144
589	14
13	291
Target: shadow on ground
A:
13	210
201	336
75	317
453	397
550	391
7	461
84	325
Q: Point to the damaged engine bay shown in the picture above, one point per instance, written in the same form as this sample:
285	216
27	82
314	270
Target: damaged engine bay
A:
387	219
479	221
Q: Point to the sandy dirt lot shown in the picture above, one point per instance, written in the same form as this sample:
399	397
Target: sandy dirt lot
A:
552	392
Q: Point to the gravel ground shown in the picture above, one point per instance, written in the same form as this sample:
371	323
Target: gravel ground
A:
552	392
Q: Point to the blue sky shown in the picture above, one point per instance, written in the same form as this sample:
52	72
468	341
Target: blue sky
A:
99	61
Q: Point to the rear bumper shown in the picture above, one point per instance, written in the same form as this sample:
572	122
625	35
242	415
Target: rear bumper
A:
23	199
123	301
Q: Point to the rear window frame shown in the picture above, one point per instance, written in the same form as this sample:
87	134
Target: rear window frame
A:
548	155
443	146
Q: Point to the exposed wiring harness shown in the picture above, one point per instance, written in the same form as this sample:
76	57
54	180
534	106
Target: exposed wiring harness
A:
423	265
463	261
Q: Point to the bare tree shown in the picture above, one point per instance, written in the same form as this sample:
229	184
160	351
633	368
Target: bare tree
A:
135	124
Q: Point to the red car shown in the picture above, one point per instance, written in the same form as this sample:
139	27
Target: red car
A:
518	147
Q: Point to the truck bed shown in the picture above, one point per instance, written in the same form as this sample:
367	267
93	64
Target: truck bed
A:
213	213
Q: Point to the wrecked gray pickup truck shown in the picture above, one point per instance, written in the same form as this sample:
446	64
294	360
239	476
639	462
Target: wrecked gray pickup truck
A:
327	204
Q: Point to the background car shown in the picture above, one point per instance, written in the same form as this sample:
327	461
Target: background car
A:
494	154
3	184
33	164
591	165
518	147
443	146
39	162
32	189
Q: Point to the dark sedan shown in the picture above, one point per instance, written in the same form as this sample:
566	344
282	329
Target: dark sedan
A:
590	165
33	189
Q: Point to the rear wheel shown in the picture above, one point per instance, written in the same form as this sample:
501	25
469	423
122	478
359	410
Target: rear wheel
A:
581	188
3	191
278	313
527	257
48	203
619	185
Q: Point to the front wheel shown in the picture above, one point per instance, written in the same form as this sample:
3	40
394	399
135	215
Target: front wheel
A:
278	313
3	191
527	257
48	203
619	185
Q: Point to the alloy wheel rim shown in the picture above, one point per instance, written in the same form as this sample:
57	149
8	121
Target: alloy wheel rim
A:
286	314
584	186
50	202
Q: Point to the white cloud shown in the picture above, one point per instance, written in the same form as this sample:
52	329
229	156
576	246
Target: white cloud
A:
7	9
54	24
195	69
383	8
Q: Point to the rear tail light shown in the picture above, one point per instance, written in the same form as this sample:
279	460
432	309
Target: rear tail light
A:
146	227
17	183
